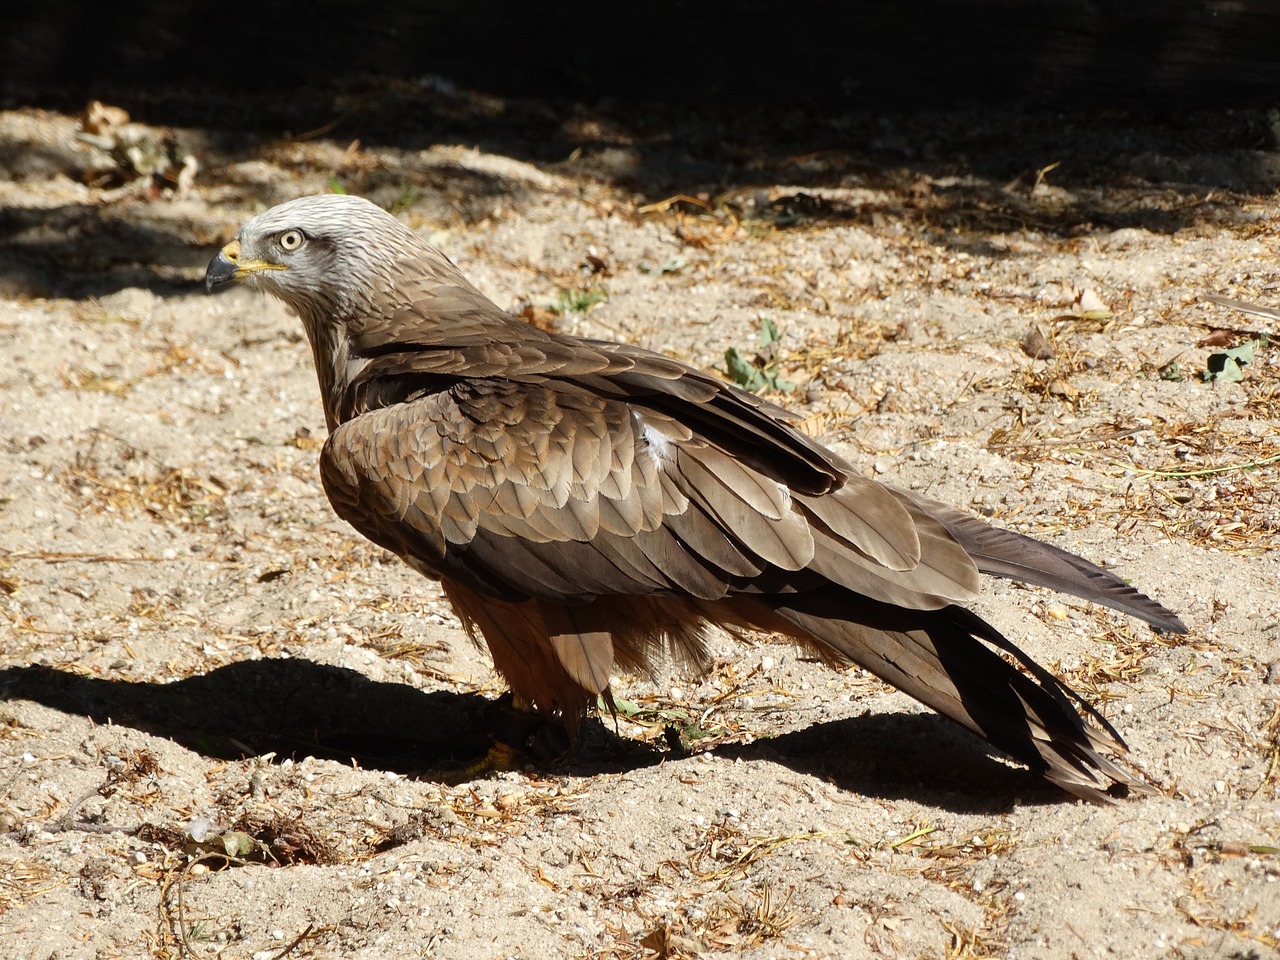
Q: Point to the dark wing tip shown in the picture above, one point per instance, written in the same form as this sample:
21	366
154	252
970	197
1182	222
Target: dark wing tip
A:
1170	622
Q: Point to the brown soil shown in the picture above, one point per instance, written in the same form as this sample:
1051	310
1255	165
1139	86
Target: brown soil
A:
223	709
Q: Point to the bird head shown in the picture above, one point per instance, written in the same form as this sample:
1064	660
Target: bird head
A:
325	256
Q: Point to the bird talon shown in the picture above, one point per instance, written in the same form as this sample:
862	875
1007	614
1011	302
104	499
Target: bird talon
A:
499	758
520	735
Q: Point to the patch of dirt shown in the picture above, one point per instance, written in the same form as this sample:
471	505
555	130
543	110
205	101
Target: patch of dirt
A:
225	715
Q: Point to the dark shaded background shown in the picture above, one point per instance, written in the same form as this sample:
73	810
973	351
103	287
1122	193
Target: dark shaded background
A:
1148	54
1155	114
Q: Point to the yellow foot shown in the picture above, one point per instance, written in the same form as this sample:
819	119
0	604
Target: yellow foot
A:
520	735
497	759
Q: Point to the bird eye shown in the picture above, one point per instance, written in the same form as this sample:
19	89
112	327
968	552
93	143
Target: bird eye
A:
290	239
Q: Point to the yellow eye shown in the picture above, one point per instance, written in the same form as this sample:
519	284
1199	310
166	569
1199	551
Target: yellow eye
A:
290	240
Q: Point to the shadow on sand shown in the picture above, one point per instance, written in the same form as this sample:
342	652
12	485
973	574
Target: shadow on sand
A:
294	708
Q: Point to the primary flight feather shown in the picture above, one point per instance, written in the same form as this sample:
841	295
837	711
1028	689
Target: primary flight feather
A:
587	504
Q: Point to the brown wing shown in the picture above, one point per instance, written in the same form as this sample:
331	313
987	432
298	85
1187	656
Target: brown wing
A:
479	340
549	491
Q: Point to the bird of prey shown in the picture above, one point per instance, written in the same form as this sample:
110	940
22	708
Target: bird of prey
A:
588	505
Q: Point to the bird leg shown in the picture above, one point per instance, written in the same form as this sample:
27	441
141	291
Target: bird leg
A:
520	735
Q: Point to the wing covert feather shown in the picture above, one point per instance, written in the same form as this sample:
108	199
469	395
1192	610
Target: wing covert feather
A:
621	501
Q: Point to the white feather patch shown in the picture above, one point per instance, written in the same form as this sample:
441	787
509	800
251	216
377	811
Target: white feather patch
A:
657	444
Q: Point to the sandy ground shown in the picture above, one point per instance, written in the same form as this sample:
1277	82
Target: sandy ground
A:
225	717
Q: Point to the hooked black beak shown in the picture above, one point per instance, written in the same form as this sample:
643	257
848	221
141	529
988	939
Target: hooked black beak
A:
222	268
229	265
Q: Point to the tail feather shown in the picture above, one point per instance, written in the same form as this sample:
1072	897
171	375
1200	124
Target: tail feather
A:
939	658
1003	553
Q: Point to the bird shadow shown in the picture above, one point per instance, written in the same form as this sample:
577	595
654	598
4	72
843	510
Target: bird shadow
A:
294	708
285	708
918	756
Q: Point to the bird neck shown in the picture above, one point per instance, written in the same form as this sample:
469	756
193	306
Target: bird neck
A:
335	366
